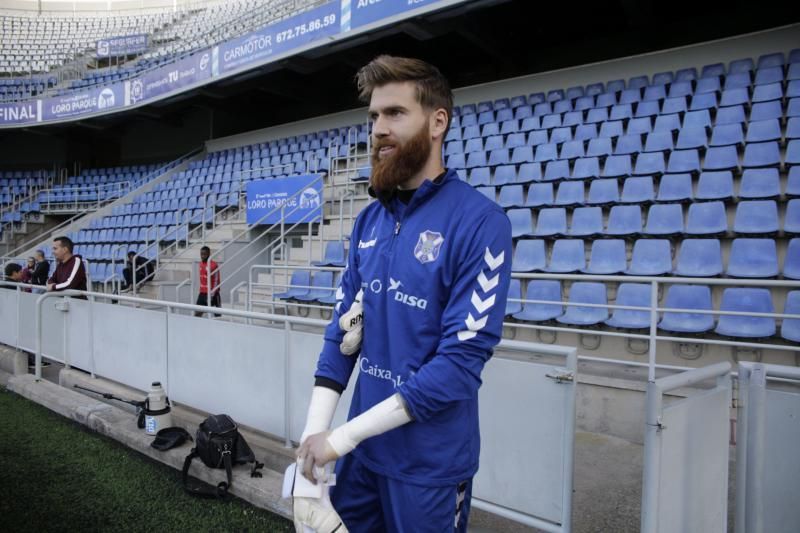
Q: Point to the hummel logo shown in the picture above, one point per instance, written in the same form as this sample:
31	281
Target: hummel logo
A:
393	285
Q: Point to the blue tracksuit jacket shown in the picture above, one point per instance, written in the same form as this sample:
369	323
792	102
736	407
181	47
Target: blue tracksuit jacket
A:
435	275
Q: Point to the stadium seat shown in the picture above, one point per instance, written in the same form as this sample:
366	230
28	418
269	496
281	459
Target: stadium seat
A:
650	257
505	175
606	192
650	163
334	256
791	223
695	297
617	166
762	155
699	258
763	131
540	194
760	183
567	256
541	290
556	170
551	222
570	193
514	293
607	257
321	284
529	256
633	295
753	258
727	135
624	220
692	138
664	220
715	186
521	224
793	153
511	196
756	217
746	300
479	176
330	297
586	168
684	161
707	218
638	190
790	328
586	222
675	188
583	292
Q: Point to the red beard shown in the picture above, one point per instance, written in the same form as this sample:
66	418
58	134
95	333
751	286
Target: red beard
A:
406	161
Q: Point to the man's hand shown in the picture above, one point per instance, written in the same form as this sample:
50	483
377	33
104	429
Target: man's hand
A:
315	452
51	287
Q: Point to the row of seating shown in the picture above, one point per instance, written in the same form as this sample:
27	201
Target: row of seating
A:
755	184
694	258
752	217
688	297
716	70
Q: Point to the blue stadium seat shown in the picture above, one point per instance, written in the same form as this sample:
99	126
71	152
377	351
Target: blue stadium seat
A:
756	217
540	194
521	224
607	257
763	131
638	127
727	135
546	152
760	183
561	135
586	168
529	256
330	297
650	164
746	300
638	190
505	175
768	92
479	176
647	109
793	129
707	218
511	196
322	285
676	104
664	220
715	186
599	147
734	96
522	154
659	141
624	220
633	295
793	152
556	170
572	150
542	290
584	292
705	98
476	159
551	222
684	161
695	297
650	257
708	84
790	328
791	223
699	258
334	255
498	157
697	119
603	192
567	256
585	132
299	283
731	115
617	166
793	183
753	258
586	222
570	193
514	293
675	188
766	111
762	155
693	137
667	123
529	172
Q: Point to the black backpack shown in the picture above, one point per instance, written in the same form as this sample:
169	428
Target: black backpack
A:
219	445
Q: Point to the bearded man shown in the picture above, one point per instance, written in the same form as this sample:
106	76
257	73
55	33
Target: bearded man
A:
419	310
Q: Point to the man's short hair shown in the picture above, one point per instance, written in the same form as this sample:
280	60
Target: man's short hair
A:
433	89
131	253
66	242
11	269
206	249
39	253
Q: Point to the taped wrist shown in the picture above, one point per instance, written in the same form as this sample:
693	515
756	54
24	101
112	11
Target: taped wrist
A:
385	416
320	411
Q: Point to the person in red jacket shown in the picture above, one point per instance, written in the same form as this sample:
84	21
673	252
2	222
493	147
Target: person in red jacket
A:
202	298
69	273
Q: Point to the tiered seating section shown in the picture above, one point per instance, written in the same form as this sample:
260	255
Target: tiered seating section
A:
687	174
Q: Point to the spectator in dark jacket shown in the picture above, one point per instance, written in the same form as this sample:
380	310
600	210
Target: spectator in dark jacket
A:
143	270
42	269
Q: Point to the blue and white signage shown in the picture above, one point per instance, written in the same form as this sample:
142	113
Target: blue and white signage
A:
296	199
83	102
19	112
280	37
169	78
361	12
122	46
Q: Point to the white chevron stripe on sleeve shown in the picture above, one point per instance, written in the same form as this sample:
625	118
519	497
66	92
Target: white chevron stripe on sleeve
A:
488	284
493	261
482	305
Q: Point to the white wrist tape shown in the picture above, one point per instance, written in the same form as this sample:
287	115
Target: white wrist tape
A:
320	411
385	416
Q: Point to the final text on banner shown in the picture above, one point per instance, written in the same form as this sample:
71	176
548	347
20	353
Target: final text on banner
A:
296	198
